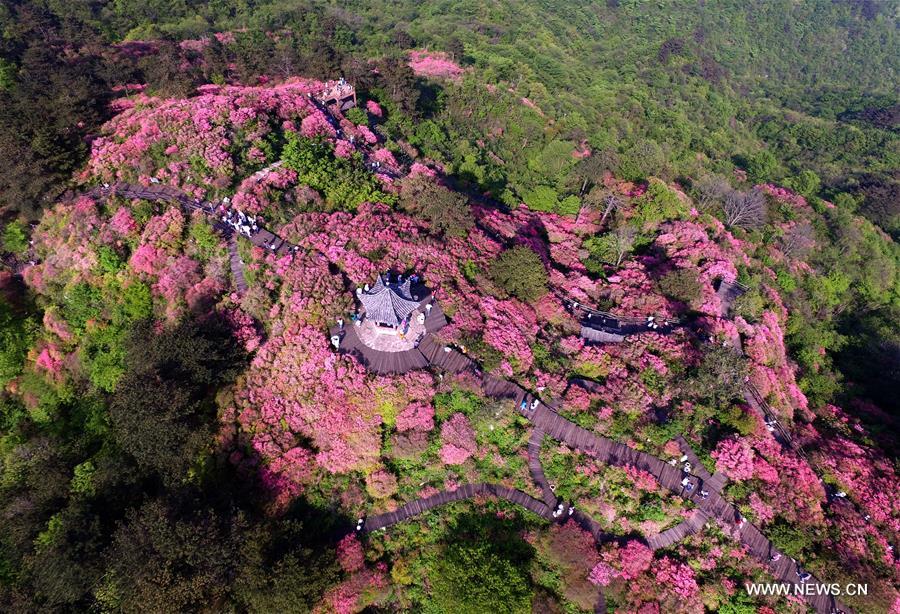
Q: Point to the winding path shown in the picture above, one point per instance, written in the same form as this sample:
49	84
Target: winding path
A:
547	421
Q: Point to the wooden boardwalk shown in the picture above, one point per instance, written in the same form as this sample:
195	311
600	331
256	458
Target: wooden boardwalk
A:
237	265
468	491
711	483
549	422
600	336
687	527
537	471
603	327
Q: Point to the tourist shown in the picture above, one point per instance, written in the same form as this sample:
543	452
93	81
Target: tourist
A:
704	494
775	557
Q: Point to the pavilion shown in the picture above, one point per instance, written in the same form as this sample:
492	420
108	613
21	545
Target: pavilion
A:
388	305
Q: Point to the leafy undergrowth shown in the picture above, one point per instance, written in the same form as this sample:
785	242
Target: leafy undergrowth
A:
624	501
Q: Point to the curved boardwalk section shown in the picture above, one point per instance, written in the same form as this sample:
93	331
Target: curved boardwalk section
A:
606	450
687	527
419	506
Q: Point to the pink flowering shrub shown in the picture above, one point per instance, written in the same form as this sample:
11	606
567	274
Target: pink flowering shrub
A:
602	574
285	476
433	64
261	189
381	484
416	416
734	458
374	108
511	328
676	576
458	439
244	328
635	559
350	554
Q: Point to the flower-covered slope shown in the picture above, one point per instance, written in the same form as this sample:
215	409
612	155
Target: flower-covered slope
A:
310	420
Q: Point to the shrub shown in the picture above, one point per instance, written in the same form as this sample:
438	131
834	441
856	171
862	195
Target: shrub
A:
357	116
521	273
682	285
14	239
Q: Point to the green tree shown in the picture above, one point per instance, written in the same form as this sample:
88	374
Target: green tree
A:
682	285
15	238
761	166
447	211
483	569
719	378
162	407
17	332
520	272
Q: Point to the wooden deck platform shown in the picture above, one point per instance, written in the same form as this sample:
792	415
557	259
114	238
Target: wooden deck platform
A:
420	357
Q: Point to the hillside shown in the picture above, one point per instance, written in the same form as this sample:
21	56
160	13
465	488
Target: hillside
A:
556	307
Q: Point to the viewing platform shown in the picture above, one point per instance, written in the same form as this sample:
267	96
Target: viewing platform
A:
339	93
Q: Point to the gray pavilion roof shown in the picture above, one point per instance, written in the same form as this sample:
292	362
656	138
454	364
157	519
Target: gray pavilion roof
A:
388	303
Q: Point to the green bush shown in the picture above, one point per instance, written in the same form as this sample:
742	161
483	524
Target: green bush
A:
357	116
447	211
344	183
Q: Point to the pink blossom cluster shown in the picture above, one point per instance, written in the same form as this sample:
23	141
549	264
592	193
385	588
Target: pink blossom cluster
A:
350	554
433	64
458	439
374	108
510	327
734	458
676	576
188	142
258	191
416	415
